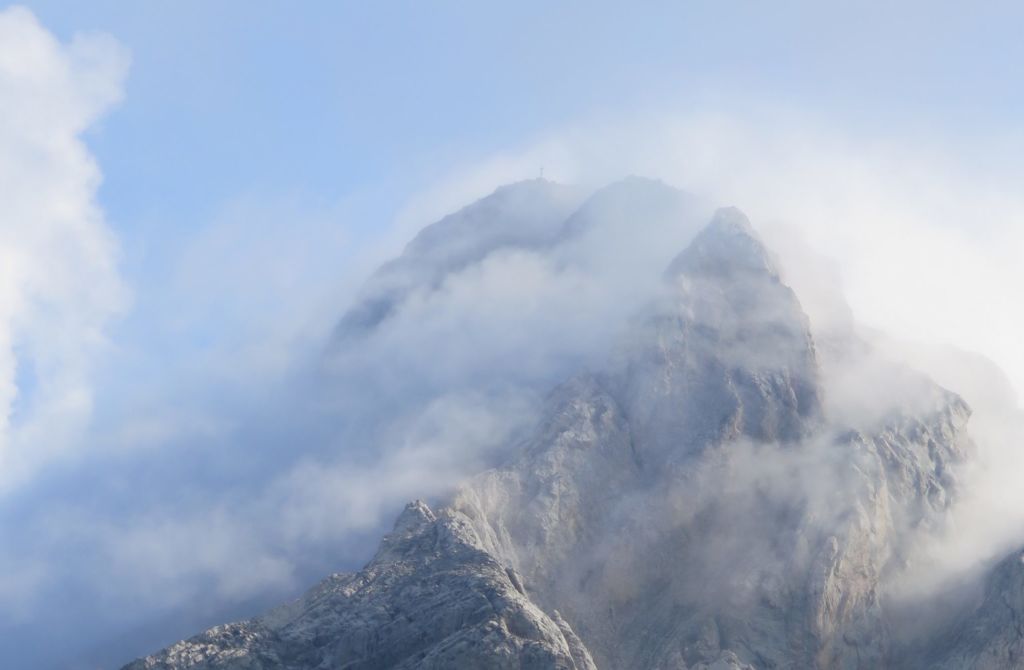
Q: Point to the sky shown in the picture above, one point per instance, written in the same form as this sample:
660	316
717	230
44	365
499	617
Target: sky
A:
193	192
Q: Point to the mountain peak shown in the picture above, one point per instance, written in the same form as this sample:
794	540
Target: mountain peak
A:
732	221
413	516
521	215
693	504
414	520
727	245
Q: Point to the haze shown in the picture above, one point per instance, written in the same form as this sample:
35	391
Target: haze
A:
193	194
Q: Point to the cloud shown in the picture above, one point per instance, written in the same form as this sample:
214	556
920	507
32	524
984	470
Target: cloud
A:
913	236
59	282
254	460
916	226
261	274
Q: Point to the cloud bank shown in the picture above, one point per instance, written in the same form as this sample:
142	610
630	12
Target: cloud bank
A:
59	282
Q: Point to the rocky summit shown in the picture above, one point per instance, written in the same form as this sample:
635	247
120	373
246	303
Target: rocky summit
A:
705	500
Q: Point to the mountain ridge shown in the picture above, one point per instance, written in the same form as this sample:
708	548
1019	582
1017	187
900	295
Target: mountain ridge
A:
697	504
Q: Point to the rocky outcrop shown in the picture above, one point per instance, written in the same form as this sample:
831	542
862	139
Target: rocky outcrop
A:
727	352
430	598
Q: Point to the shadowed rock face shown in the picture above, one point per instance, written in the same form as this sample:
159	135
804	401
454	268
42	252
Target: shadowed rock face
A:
697	504
991	636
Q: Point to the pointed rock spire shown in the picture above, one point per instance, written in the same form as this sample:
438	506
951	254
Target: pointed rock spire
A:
415	515
727	245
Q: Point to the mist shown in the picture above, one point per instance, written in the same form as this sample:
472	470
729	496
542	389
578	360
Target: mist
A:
186	439
287	472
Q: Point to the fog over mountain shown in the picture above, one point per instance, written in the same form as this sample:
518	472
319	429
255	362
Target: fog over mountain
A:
270	272
636	447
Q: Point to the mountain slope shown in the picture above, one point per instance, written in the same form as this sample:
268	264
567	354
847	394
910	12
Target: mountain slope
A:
710	498
694	501
430	598
522	215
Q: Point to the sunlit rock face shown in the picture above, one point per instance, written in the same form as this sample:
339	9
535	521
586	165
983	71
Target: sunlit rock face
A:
708	498
430	598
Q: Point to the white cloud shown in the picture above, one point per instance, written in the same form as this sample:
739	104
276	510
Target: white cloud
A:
59	282
921	235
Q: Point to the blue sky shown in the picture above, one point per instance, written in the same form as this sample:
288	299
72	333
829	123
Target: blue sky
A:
325	98
222	175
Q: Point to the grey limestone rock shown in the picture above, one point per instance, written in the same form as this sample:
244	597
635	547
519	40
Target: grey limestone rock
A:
430	598
703	503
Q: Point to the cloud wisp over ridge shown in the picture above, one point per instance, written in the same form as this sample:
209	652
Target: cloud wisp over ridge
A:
271	471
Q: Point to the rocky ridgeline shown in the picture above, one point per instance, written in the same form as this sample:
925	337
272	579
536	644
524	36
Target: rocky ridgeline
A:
695	505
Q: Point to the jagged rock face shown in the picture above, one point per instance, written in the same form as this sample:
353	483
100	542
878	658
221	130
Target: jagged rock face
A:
727	353
695	501
701	503
430	598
